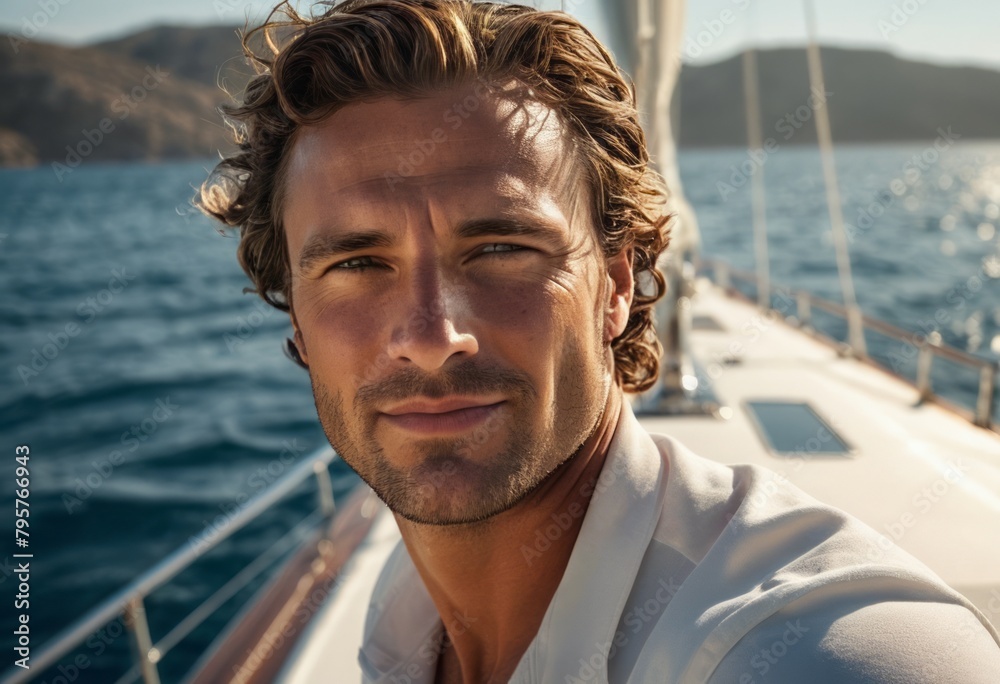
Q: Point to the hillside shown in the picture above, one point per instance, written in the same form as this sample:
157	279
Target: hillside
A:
875	97
209	55
102	107
58	97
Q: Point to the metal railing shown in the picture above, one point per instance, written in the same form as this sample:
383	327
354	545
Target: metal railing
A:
929	347
129	603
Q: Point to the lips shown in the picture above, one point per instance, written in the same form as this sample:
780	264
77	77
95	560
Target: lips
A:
437	406
441	416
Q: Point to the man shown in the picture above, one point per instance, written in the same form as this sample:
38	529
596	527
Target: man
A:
454	204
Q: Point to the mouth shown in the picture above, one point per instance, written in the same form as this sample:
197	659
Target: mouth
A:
452	415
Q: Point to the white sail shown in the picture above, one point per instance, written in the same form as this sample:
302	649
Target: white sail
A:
654	62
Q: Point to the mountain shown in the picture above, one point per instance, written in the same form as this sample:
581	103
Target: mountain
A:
16	150
74	105
154	94
210	55
873	96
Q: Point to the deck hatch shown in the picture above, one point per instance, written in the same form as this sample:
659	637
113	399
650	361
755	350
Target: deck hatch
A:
793	428
706	323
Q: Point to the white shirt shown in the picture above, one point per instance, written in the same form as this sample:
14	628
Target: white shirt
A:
689	571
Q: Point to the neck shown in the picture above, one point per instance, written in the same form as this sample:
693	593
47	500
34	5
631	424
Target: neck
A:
493	582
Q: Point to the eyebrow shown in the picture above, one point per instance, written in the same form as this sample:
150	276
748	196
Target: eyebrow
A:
505	227
322	247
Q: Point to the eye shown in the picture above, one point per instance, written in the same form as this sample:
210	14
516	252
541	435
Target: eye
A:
501	248
361	263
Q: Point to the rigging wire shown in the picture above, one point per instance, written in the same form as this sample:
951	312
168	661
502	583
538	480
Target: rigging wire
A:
855	329
755	140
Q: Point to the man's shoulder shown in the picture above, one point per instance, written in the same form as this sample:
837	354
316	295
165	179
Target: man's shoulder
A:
710	506
865	641
761	552
713	511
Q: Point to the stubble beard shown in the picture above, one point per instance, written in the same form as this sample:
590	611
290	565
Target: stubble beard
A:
458	481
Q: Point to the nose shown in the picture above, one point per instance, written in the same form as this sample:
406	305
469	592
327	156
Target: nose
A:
435	324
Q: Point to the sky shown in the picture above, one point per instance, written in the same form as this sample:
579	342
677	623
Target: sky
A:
943	31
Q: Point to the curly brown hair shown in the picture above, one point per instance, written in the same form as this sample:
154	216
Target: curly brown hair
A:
308	67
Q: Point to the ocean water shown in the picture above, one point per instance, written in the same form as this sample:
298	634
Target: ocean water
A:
924	237
154	395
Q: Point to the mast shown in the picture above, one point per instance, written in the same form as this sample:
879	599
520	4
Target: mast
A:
656	31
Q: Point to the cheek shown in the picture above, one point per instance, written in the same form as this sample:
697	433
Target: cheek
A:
518	309
341	336
533	320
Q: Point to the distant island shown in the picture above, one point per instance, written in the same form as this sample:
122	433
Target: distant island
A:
154	95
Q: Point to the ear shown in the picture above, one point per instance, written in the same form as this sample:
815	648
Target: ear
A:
621	287
298	341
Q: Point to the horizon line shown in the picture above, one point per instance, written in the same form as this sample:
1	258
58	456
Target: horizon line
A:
959	61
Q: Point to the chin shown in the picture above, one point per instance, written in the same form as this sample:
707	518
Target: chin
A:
450	490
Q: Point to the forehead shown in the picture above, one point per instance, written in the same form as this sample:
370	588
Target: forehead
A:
465	142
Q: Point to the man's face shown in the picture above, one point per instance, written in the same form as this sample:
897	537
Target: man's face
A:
450	297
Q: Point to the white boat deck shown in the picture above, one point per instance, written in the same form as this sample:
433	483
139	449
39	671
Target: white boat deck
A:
922	476
919	473
328	649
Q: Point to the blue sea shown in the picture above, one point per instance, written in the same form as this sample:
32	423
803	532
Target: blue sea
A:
154	395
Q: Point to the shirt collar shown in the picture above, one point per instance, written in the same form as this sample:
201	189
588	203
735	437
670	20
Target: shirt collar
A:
404	629
583	615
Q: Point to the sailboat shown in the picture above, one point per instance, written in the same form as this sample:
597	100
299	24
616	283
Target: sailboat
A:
743	381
